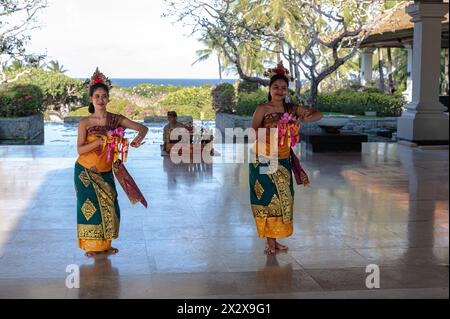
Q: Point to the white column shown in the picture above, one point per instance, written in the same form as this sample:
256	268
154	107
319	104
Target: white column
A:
424	121
408	92
366	65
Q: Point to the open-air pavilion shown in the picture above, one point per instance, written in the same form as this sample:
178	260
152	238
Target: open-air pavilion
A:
386	206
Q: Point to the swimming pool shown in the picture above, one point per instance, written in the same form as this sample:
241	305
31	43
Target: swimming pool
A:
66	134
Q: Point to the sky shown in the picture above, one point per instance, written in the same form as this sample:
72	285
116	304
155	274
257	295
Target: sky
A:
125	39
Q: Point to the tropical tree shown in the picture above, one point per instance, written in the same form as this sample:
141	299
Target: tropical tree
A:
55	66
400	67
316	37
16	66
17	18
209	49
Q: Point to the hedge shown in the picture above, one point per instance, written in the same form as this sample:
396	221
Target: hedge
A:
21	100
342	101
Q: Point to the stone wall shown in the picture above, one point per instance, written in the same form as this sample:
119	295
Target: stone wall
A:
162	119
224	120
147	119
27	130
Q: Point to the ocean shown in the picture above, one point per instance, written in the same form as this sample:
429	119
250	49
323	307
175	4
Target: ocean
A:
178	82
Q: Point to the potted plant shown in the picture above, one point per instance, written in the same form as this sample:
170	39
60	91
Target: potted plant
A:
21	114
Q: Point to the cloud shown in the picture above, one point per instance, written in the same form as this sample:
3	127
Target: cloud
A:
124	38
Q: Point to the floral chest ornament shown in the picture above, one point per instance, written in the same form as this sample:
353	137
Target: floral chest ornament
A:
116	145
288	129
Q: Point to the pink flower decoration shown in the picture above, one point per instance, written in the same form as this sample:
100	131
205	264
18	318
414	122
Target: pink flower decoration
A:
117	141
288	128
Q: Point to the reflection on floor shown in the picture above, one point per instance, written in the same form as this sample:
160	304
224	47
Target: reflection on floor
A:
386	206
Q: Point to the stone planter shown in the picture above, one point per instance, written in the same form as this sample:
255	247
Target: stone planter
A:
370	113
27	130
332	124
225	120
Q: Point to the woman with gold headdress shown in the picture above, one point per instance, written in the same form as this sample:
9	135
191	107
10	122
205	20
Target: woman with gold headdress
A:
272	192
102	149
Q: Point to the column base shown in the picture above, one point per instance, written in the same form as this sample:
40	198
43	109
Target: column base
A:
423	128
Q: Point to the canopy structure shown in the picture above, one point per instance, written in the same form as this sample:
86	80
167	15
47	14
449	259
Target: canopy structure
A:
421	27
398	29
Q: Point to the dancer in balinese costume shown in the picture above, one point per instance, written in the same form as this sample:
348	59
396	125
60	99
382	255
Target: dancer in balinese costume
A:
102	150
272	193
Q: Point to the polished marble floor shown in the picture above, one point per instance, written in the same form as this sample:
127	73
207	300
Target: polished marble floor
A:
386	206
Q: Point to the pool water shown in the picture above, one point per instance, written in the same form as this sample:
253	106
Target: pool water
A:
66	134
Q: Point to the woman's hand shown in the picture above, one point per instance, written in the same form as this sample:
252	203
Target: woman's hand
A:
142	131
310	115
136	142
99	142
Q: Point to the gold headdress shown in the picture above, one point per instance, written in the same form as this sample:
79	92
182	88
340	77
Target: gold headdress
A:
279	70
98	77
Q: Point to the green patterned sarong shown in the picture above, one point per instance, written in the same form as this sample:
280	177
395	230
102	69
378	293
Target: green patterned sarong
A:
272	199
98	212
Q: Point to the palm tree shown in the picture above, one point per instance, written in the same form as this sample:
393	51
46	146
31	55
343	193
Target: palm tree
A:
16	65
205	54
54	66
400	72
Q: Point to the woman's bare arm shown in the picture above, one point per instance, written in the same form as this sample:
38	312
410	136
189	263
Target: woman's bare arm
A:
141	129
308	115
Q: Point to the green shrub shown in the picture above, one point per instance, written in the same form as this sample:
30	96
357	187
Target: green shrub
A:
20	100
151	90
194	96
57	88
223	98
83	111
247	102
356	103
117	106
247	86
195	112
192	101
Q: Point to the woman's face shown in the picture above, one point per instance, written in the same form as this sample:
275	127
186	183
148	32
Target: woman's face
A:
279	90
100	99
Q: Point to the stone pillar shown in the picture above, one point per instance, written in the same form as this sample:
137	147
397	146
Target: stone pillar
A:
408	92
424	122
366	65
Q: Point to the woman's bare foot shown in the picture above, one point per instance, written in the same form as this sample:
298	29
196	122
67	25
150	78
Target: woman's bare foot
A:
278	246
270	249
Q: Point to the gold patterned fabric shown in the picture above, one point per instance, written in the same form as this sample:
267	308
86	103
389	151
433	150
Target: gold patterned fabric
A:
88	209
271	197
259	190
98	213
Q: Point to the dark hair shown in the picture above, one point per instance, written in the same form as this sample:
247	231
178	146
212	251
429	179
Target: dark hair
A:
94	88
287	106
